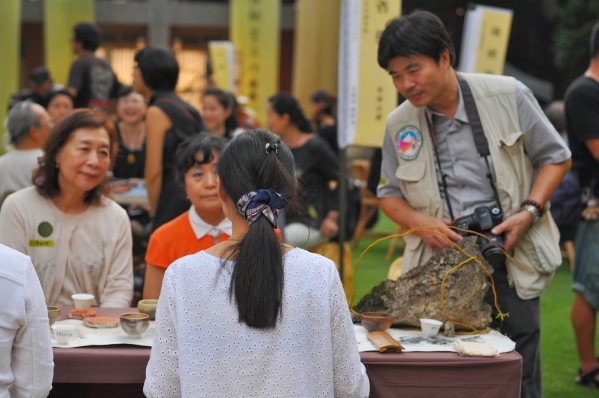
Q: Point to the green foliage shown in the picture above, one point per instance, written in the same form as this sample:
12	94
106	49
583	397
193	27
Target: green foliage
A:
574	21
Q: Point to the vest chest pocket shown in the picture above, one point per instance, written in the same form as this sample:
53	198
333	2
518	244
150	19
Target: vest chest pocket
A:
413	184
512	145
510	168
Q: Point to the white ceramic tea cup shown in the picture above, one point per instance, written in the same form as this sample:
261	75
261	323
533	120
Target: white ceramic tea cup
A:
82	301
63	333
430	327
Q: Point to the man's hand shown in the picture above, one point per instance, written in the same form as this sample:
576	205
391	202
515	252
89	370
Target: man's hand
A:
514	227
433	239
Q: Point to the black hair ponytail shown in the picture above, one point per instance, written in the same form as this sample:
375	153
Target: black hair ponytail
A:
245	166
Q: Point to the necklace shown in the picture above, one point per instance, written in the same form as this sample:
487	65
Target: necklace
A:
133	140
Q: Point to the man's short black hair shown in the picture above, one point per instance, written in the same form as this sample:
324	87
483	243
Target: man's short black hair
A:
40	75
159	67
595	41
419	33
88	35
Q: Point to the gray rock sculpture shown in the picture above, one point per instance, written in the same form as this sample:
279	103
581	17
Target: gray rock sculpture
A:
417	294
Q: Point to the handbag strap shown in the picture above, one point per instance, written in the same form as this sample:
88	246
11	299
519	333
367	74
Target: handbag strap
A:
187	112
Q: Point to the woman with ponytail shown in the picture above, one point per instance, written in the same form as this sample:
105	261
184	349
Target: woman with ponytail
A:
253	316
316	168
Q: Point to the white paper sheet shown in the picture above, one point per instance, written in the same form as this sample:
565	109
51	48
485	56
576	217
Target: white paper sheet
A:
414	341
85	336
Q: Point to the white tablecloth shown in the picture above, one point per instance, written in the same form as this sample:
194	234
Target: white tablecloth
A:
85	336
414	341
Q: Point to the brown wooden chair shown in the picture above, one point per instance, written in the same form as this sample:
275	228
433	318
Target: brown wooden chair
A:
394	271
369	203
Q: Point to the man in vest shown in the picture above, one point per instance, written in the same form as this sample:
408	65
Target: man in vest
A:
582	120
433	172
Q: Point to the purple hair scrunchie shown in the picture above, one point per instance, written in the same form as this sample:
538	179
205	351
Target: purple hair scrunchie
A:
264	202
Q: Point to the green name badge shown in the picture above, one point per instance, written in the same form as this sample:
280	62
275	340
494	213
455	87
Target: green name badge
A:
41	243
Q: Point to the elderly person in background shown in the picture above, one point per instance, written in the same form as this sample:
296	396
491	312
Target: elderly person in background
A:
28	125
199	228
25	346
78	239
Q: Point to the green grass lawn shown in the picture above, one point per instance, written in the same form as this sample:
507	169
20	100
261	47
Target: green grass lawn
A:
559	359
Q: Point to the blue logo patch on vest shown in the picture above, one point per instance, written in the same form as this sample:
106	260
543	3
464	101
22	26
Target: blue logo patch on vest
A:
409	142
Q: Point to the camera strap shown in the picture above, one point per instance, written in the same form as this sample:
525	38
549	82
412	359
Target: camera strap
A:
480	140
443	175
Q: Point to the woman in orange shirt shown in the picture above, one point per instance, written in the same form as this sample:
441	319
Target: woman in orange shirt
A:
199	228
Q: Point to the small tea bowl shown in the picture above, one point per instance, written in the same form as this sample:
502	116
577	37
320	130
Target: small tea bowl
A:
376	321
53	314
148	307
82	301
135	323
430	327
63	333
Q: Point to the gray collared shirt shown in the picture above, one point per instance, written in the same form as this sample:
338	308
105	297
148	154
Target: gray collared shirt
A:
467	182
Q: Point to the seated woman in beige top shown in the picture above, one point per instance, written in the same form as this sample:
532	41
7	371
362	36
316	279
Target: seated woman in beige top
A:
79	241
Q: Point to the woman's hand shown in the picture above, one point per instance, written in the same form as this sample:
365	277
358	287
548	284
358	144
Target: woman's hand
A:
329	227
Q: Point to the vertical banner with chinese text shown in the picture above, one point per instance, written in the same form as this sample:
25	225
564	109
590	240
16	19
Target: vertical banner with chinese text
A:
255	33
10	60
315	48
485	39
366	94
60	16
222	60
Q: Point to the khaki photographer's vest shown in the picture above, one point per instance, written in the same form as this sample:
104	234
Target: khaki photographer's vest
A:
495	96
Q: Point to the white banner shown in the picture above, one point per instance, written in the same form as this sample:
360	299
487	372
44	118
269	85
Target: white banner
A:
222	60
485	39
366	94
349	66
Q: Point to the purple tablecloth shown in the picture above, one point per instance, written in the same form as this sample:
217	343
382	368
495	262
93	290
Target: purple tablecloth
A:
415	374
442	374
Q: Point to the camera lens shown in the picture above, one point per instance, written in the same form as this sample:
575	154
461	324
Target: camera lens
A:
492	254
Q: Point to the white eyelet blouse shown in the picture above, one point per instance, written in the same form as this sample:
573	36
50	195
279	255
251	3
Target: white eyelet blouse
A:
201	350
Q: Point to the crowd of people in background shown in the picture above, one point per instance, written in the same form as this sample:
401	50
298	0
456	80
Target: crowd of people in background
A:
72	146
209	176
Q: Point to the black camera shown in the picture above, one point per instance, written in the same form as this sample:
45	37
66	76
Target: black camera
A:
482	221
